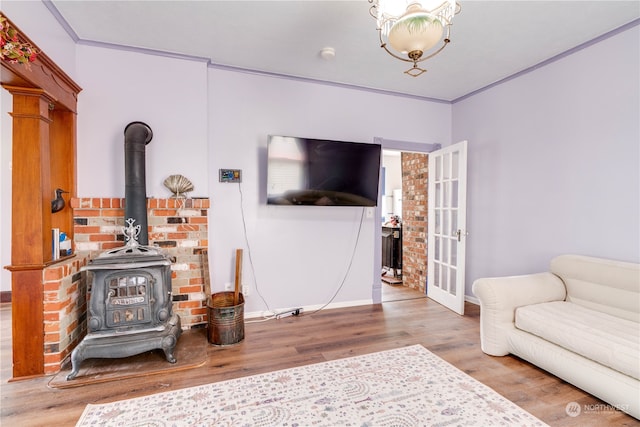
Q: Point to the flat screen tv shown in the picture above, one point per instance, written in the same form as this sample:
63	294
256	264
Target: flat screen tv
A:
319	172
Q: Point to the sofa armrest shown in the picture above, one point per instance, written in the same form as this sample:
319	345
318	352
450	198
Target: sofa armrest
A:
500	296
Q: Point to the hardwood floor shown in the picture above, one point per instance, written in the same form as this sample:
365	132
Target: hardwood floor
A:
326	335
399	293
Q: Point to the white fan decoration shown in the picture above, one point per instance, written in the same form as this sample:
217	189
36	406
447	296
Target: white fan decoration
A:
178	185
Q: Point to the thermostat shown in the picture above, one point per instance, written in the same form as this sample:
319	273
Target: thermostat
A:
230	175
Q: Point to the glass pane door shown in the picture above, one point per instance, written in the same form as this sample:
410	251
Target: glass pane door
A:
447	222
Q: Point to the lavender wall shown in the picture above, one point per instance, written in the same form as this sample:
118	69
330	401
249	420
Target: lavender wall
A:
168	94
300	253
554	162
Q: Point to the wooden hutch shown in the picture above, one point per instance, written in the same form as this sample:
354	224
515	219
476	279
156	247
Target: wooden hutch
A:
44	158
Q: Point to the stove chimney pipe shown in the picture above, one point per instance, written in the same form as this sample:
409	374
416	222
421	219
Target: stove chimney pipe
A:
136	136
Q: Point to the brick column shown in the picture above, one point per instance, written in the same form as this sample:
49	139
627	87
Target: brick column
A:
414	220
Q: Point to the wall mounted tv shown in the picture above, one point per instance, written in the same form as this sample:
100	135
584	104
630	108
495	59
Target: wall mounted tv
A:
319	172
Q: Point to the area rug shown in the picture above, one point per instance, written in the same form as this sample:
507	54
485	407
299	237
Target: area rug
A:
190	352
408	386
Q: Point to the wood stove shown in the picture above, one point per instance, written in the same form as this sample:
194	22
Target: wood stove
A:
130	305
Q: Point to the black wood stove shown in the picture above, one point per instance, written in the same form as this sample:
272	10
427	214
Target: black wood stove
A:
130	305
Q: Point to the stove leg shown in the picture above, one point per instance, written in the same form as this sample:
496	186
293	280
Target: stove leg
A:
77	356
168	353
168	345
169	342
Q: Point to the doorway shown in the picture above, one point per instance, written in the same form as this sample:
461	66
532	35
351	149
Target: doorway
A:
402	146
403	199
449	167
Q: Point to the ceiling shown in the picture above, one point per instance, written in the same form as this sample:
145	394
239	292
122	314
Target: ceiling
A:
490	40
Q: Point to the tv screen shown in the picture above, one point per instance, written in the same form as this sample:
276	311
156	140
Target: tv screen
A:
319	172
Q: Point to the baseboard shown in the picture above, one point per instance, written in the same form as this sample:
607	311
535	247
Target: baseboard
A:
309	308
472	300
5	296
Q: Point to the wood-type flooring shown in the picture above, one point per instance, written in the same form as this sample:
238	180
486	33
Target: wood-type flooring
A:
403	319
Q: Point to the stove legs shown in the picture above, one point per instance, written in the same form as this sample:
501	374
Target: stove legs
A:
77	356
125	344
169	342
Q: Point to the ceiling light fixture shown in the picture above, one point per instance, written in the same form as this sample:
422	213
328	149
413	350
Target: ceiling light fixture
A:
414	31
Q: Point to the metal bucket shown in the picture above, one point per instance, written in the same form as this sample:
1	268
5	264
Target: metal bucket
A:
226	320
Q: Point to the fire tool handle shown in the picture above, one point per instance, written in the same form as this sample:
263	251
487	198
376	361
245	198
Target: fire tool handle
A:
236	297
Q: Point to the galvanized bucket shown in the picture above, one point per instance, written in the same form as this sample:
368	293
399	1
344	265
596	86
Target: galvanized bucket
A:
226	319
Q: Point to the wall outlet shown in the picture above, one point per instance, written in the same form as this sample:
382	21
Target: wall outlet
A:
230	175
245	288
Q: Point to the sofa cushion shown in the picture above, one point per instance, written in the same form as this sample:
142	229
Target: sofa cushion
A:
608	286
601	337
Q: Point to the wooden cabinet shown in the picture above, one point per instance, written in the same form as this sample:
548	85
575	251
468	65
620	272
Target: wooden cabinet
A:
43	159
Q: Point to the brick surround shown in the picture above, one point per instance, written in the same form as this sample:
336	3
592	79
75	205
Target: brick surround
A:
179	226
414	220
65	310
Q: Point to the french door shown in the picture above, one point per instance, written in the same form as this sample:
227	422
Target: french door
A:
447	226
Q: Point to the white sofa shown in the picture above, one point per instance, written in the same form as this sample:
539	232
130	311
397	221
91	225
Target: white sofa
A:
580	322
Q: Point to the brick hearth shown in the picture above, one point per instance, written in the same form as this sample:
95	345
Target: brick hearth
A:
179	226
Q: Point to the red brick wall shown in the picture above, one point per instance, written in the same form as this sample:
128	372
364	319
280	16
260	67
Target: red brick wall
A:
65	310
179	226
414	220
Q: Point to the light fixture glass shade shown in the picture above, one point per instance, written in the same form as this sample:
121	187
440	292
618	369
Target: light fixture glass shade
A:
416	31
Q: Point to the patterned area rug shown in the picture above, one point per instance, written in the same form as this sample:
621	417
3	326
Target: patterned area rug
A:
408	386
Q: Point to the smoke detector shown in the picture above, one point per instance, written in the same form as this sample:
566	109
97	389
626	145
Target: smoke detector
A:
327	53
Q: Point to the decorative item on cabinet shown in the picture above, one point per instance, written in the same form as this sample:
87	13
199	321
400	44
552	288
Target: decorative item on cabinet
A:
58	203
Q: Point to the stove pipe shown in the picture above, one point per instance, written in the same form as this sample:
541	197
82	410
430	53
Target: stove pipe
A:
136	136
